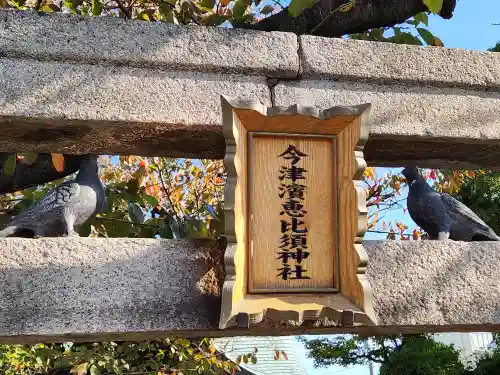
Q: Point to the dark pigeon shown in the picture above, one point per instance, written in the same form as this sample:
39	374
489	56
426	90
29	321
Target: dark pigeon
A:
64	207
442	216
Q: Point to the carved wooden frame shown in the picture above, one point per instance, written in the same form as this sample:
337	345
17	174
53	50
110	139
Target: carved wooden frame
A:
352	304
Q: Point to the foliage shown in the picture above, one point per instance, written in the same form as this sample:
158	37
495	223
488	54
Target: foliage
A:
496	48
481	194
487	363
398	354
29	158
169	356
184	12
434	5
412	31
422	355
150	197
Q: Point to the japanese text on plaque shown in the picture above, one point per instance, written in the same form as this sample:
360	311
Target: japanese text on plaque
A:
293	241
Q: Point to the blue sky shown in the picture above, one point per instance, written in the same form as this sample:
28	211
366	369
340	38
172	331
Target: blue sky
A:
470	28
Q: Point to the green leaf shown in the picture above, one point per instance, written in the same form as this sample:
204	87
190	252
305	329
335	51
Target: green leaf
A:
254	360
169	16
239	9
297	6
116	228
72	5
133	186
166	232
97	7
150	199
192	231
136	213
378	34
422	18
94	370
18	3
404	38
207	5
216	19
245	359
203	231
49	8
85	229
434	6
10	165
426	35
411	39
29	158
238	359
267	9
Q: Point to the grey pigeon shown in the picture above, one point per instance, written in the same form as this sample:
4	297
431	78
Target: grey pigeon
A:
64	207
442	216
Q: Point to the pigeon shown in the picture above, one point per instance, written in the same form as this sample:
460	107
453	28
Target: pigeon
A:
64	207
442	216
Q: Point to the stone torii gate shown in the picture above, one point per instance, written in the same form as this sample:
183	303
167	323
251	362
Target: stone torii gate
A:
59	92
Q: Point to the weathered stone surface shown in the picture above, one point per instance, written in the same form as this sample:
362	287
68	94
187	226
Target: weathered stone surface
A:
434	283
436	126
75	84
100	289
59	286
371	61
123	42
84	108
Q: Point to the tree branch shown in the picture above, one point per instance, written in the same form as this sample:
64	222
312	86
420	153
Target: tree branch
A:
40	172
367	14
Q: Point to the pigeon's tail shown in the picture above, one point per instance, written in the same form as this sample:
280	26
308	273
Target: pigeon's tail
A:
9	231
485	236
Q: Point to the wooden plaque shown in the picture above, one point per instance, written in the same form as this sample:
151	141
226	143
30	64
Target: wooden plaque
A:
295	214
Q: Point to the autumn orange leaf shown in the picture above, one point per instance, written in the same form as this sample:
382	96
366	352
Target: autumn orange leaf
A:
416	234
152	189
58	162
401	226
144	163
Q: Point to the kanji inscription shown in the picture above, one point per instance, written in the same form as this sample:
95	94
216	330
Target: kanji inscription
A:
293	241
293	217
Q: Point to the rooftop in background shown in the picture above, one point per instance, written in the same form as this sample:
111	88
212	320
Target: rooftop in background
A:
266	346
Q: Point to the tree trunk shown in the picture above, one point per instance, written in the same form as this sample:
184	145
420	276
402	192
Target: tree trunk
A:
366	14
40	172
